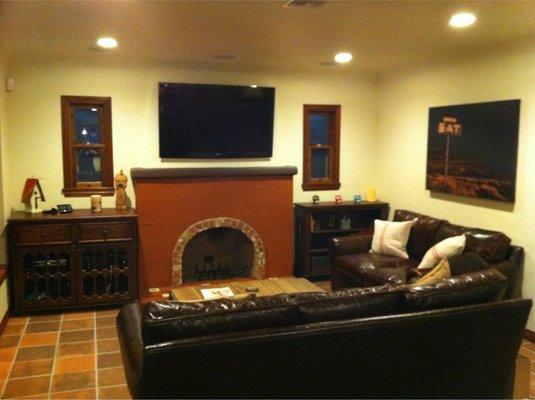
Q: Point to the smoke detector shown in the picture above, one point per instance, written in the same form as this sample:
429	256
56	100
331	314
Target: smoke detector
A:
304	3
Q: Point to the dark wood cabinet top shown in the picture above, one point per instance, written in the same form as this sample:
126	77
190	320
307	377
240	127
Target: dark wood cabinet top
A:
76	215
345	204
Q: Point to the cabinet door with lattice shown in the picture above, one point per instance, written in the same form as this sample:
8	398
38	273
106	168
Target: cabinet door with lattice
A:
107	272
46	277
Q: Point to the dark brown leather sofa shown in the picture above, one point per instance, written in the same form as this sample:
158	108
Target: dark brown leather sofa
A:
453	339
353	265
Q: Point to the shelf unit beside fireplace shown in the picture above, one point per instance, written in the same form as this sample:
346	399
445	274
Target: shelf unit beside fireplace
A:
72	260
317	224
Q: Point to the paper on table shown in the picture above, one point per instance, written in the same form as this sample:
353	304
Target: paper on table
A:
216	293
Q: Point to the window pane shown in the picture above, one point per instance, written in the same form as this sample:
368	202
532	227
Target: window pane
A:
87	124
319	128
320	163
88	165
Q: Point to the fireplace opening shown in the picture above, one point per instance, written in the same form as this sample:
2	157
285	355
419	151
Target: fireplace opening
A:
217	253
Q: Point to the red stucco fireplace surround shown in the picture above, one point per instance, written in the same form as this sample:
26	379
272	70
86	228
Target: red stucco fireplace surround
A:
173	204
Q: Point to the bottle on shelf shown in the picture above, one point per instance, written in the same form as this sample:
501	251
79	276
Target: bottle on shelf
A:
29	290
29	263
99	260
63	263
88	261
122	259
51	263
40	263
65	288
88	286
122	284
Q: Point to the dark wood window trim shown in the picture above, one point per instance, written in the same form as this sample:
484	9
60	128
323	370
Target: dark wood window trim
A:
331	182
71	187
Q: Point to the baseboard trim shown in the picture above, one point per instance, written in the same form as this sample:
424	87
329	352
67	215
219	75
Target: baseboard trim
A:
529	335
5	320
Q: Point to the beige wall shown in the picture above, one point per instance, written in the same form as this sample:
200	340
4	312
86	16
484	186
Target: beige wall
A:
3	131
402	142
34	135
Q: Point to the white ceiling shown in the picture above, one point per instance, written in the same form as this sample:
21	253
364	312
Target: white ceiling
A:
382	35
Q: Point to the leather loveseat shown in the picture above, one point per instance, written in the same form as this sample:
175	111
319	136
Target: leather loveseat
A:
353	265
454	338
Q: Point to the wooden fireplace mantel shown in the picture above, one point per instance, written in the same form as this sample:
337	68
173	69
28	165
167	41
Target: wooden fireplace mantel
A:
159	173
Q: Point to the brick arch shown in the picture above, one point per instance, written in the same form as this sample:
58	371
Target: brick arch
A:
259	259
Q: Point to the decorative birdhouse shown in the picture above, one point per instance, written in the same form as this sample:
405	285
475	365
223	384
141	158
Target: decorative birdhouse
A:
31	193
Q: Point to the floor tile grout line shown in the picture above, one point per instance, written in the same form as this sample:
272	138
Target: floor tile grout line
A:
54	360
95	343
13	360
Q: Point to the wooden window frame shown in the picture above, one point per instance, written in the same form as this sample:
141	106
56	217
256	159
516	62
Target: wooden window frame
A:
332	182
72	188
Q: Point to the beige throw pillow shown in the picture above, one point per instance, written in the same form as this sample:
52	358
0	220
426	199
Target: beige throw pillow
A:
449	247
390	238
441	271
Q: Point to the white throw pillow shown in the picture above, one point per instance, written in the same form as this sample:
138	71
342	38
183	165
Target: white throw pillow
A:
449	247
390	238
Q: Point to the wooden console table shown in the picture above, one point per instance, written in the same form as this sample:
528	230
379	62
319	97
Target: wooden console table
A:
317	224
72	260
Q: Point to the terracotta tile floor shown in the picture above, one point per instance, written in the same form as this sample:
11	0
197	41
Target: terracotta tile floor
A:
62	356
528	350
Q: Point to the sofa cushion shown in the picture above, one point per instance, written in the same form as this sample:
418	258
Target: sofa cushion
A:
390	238
490	245
466	263
170	320
352	303
441	271
422	232
446	248
476	287
376	269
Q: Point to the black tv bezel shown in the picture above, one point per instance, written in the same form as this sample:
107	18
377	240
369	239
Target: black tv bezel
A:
164	154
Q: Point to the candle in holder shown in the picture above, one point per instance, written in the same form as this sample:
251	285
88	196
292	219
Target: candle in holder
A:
96	203
372	194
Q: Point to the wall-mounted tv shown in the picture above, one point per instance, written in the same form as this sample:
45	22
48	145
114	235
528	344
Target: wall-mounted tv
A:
215	121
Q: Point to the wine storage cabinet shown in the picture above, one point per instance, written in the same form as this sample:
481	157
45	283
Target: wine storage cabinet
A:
72	260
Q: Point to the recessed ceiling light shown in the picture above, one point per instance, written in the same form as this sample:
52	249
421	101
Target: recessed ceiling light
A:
462	20
107	42
343	58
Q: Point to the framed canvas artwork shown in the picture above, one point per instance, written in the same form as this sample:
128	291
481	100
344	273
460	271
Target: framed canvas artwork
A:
472	149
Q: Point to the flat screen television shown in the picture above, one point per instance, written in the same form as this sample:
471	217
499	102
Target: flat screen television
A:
215	121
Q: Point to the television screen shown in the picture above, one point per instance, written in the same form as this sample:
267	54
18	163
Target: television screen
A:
215	121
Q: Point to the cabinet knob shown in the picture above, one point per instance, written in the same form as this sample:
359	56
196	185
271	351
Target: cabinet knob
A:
105	231
43	235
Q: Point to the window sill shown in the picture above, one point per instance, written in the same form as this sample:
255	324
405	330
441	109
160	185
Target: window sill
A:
321	186
84	192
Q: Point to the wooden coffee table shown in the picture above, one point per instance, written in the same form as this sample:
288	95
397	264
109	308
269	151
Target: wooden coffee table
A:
266	287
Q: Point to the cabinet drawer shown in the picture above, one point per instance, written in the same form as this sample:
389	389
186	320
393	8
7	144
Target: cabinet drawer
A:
105	231
42	234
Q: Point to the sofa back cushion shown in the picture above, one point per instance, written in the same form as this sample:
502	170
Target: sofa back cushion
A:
489	245
422	233
352	303
171	320
476	287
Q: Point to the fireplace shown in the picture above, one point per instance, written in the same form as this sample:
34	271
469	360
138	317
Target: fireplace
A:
175	204
218	248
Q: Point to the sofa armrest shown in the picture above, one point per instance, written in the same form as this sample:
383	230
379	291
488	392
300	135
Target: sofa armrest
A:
341	246
128	323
